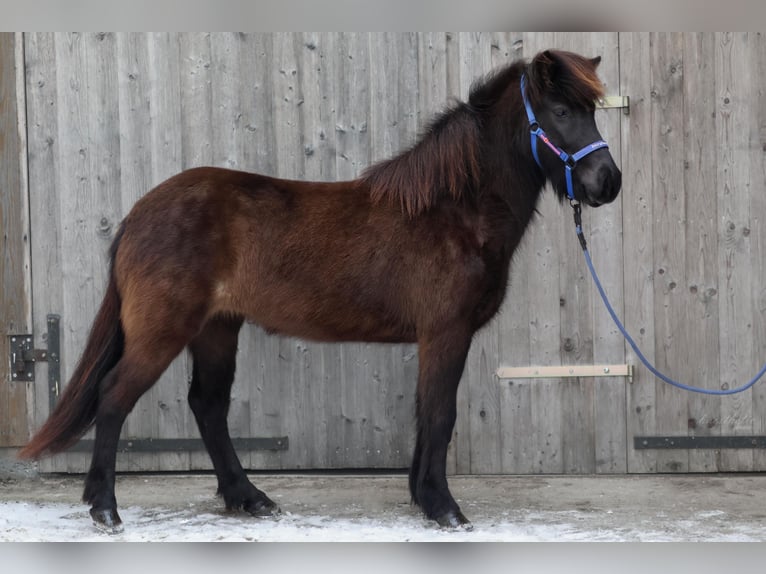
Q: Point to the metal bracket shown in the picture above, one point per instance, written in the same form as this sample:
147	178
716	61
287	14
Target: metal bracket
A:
609	102
566	372
23	356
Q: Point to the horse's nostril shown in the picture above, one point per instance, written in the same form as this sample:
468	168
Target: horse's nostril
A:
611	180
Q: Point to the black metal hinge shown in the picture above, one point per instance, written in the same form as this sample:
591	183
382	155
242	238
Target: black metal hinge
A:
23	357
186	445
698	442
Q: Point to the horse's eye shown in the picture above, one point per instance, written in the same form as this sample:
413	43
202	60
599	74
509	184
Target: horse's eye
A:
561	112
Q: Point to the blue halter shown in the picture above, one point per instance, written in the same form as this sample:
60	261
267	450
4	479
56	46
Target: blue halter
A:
536	132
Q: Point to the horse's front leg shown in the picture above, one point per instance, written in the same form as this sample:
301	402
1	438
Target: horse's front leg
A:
442	357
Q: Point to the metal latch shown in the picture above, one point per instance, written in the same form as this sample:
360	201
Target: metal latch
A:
23	358
609	102
23	355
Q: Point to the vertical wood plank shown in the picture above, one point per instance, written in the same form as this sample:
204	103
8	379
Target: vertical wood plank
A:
352	105
547	327
637	200
315	77
736	312
394	87
606	236
136	179
246	112
89	168
605	231
15	299
695	297
669	244
195	123
459	450
294	354
42	157
479	374
518	455
167	398
757	145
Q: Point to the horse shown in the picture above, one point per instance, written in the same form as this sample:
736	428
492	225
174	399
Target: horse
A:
417	249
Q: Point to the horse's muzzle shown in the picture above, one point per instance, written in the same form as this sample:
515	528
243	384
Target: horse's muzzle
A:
606	187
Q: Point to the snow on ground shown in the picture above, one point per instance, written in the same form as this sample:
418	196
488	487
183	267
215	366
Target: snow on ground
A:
30	521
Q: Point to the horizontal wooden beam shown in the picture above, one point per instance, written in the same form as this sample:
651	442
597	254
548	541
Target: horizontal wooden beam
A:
566	371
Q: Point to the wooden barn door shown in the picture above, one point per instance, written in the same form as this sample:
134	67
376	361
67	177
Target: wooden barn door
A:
680	252
694	240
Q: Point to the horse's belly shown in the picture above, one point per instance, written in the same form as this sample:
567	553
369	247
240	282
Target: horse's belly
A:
321	317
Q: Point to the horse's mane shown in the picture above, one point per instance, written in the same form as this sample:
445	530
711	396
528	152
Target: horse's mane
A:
445	160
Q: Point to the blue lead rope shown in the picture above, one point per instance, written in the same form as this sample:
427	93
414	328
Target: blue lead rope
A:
629	339
570	161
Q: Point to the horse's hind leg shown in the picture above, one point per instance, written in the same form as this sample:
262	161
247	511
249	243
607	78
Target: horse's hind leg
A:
142	363
214	353
441	361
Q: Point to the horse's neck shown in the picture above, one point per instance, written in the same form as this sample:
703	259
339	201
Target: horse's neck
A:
507	199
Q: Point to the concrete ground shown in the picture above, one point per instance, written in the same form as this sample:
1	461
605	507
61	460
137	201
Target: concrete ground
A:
326	507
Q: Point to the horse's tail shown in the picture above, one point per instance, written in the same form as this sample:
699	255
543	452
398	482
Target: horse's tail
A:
75	412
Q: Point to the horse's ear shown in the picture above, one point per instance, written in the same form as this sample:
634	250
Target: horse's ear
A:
544	69
596	61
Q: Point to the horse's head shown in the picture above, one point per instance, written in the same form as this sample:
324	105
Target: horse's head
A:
561	92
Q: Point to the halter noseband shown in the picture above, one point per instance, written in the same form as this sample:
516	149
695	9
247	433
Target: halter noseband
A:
536	132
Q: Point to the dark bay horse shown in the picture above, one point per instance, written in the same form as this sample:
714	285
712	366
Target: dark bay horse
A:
415	250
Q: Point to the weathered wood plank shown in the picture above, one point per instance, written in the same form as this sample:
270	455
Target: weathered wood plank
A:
479	375
669	243
736	311
637	169
605	240
548	321
757	145
510	327
393	128
167	398
83	244
195	109
135	88
353	155
695	297
15	302
317	77
246	112
459	450
42	151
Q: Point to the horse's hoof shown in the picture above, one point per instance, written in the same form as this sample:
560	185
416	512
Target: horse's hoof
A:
454	520
107	521
263	508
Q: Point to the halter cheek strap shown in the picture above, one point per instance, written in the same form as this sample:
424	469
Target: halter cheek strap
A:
537	133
